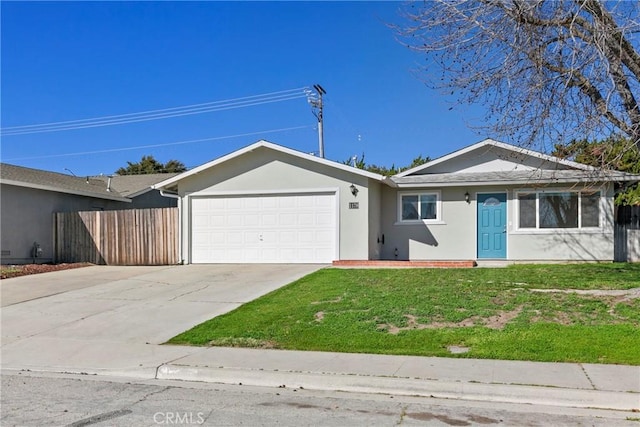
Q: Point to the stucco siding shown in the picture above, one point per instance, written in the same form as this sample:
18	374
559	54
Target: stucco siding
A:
570	244
27	218
451	239
375	221
152	199
266	171
561	246
492	160
455	236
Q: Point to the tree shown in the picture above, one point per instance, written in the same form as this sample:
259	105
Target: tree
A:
610	153
383	170
548	71
150	165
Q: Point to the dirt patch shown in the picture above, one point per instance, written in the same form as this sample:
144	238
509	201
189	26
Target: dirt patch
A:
243	342
319	316
620	294
331	301
9	271
612	297
412	324
498	321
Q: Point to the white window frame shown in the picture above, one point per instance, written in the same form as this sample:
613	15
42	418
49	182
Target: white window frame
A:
578	229
438	219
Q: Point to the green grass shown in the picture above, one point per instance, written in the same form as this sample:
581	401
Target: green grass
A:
494	312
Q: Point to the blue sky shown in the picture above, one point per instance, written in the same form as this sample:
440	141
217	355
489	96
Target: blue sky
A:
79	60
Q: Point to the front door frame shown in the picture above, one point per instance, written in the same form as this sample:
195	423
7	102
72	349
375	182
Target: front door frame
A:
506	222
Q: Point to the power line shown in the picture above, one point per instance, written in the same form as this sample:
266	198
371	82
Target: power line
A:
111	150
207	107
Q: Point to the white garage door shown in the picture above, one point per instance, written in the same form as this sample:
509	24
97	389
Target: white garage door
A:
292	228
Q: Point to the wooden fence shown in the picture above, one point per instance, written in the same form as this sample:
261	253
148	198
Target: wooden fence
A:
627	234
125	237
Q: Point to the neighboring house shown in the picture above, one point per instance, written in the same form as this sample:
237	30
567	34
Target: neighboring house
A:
29	197
268	203
138	189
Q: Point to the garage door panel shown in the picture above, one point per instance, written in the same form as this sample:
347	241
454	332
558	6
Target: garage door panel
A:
324	220
287	202
269	203
278	228
306	219
323	237
234	220
268	219
287	220
287	238
216	220
251	219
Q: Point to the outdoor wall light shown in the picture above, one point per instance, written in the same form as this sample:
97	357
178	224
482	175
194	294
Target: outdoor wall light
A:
354	189
467	197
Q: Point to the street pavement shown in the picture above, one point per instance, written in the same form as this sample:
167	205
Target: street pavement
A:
83	322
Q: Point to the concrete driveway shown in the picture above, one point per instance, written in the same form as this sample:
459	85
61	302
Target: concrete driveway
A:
108	317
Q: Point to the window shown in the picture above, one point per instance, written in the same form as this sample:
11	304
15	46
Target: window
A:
590	207
527	210
419	207
558	210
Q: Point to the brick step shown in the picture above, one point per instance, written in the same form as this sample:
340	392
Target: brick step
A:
404	264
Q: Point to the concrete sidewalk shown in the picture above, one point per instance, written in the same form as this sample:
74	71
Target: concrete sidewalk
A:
612	387
558	384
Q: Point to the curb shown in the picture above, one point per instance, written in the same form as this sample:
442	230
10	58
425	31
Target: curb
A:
505	393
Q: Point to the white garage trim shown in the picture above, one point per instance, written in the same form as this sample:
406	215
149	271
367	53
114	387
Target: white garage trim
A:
293	226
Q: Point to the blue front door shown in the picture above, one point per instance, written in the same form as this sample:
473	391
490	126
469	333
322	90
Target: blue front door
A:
492	225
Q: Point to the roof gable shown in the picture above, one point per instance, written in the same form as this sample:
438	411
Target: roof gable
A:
270	146
493	156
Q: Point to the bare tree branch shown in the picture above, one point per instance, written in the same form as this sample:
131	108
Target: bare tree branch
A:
548	71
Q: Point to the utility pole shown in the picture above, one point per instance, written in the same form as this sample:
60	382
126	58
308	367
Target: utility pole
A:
316	104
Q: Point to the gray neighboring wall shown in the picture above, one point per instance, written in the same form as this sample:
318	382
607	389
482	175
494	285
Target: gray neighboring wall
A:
29	197
138	189
27	218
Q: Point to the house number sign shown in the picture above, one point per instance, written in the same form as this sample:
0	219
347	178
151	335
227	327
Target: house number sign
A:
354	205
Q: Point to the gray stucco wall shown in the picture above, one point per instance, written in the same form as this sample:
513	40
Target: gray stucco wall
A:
455	238
152	199
452	239
570	245
26	218
375	220
264	170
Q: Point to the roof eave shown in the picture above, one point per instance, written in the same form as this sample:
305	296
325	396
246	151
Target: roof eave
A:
65	191
508	182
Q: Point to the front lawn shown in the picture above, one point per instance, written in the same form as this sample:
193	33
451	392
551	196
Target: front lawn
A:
523	312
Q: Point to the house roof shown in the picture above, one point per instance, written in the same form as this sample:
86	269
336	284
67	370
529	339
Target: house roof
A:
271	146
534	177
488	144
54	181
121	188
135	185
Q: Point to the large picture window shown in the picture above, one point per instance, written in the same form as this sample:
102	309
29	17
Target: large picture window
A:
419	207
559	209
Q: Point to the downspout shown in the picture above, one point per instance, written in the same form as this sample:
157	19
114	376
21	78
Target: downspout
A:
163	193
